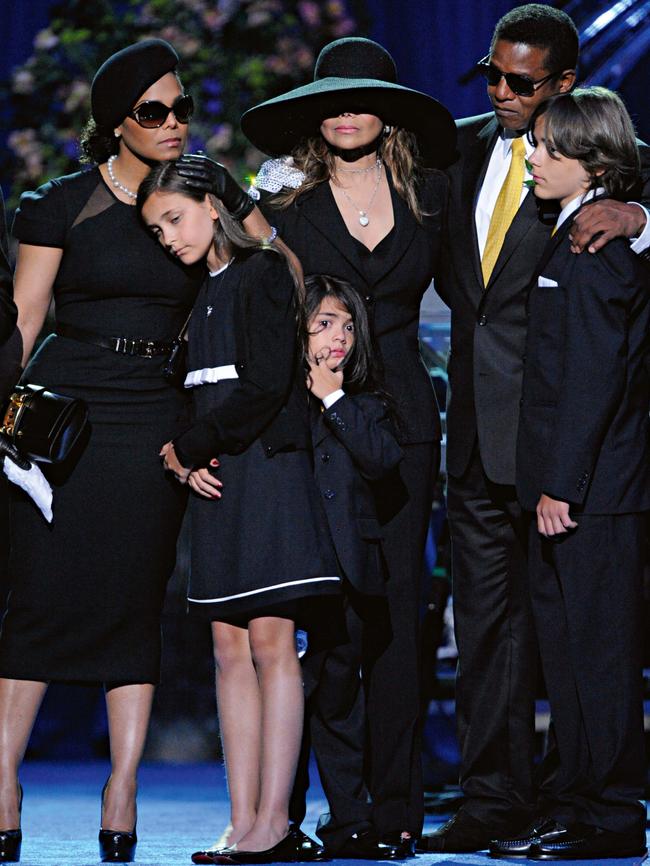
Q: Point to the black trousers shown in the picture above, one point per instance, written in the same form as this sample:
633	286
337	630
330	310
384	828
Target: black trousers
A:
367	737
497	654
587	600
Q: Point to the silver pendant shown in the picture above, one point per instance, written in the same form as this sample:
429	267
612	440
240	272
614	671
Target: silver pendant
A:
363	219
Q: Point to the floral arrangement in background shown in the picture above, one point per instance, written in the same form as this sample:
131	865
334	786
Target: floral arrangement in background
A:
234	54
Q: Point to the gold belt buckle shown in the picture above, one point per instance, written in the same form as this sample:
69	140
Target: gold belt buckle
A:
16	402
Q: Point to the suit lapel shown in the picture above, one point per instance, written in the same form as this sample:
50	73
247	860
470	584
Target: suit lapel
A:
474	169
319	208
525	218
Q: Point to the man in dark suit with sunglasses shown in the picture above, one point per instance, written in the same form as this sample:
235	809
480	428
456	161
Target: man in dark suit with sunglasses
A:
497	238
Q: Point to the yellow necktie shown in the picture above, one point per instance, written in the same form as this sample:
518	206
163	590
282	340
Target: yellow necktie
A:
507	205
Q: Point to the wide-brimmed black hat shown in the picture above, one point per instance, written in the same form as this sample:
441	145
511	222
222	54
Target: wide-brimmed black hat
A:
359	76
125	76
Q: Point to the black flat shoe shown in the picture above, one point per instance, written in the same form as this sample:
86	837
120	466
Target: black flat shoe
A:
366	846
11	840
287	850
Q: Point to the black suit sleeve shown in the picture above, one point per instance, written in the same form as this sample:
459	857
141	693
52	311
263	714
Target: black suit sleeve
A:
598	304
8	312
266	377
362	424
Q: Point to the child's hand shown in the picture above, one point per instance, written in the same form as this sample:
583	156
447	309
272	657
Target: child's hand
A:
205	484
553	516
322	381
172	464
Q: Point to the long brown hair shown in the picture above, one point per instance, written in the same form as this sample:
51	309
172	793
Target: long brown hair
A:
398	149
229	236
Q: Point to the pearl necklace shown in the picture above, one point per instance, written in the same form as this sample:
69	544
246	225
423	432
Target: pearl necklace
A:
376	164
116	182
364	219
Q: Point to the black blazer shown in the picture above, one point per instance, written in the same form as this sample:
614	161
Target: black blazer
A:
354	444
584	430
488	330
314	229
270	401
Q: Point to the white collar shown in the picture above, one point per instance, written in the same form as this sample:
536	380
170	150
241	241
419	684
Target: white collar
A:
575	203
220	270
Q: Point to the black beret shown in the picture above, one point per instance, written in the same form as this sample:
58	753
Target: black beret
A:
125	76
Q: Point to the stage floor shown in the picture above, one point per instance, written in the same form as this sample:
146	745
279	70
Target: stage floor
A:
180	808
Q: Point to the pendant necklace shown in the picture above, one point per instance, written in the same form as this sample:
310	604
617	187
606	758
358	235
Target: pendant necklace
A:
115	181
364	219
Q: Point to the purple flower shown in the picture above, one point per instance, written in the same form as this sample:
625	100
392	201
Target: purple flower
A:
212	86
213	106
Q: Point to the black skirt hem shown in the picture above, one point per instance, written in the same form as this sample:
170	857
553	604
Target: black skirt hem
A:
262	600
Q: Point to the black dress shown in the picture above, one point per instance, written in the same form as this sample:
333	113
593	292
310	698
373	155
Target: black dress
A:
87	590
265	544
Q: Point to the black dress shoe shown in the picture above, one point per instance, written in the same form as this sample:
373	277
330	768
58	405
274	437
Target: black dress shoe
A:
309	849
10	842
583	842
460	835
116	846
365	846
404	842
523	843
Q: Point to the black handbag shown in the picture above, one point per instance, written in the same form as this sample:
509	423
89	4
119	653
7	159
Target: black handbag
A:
42	425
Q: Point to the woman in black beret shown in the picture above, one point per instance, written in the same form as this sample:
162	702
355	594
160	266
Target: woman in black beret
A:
87	590
360	198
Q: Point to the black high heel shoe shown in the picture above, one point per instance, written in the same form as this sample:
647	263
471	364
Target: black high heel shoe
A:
116	846
11	840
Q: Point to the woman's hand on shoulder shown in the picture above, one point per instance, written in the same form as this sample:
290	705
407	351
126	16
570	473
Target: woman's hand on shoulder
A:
322	381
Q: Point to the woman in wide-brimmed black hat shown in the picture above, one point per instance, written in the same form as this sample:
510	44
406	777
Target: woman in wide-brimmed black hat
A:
360	196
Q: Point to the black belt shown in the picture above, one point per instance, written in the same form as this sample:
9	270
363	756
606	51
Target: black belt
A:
121	345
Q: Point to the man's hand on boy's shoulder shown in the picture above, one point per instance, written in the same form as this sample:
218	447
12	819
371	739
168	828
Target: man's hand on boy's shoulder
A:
600	222
553	516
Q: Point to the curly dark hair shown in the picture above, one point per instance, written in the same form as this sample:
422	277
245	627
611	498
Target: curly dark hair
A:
97	143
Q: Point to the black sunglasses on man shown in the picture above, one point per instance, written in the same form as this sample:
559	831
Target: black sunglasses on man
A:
522	85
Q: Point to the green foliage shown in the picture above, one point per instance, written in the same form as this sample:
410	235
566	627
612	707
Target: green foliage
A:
234	54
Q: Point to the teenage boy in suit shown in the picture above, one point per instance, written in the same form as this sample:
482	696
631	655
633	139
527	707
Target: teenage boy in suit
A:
583	478
490	264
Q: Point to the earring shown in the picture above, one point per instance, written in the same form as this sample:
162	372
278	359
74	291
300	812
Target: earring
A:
387	129
116	133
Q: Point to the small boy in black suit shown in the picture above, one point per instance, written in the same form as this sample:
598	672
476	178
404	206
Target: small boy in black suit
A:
582	472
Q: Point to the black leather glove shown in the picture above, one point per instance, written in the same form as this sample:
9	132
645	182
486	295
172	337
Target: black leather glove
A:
8	449
206	175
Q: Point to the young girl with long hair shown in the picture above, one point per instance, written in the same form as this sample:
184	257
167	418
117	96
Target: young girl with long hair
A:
259	536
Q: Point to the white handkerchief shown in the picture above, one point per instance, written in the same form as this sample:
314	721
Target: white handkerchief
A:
544	281
34	483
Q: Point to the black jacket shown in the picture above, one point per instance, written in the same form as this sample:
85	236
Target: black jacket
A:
354	445
270	401
488	323
7	307
584	431
314	229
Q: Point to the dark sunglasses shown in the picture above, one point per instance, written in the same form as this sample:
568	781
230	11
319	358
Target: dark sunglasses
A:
152	114
522	85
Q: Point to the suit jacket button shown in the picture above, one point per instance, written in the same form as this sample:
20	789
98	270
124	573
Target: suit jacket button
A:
325	458
482	321
369	300
269	450
329	494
